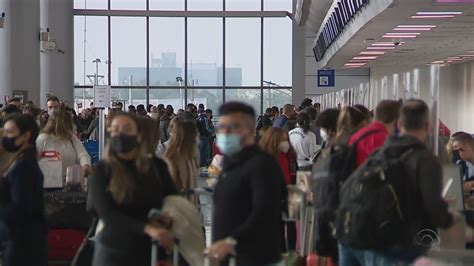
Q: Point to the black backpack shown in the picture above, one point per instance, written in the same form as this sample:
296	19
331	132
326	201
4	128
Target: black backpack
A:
201	124
331	169
372	212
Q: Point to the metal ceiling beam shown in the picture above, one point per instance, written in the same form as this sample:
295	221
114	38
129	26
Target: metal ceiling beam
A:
187	14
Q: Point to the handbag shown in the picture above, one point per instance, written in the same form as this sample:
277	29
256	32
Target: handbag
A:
66	210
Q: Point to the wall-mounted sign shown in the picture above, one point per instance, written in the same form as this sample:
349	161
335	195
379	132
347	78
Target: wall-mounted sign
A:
326	78
21	94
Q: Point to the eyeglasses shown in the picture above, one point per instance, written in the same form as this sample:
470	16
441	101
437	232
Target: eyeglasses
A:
459	150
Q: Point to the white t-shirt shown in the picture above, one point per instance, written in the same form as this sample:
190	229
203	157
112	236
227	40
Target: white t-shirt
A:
470	169
303	143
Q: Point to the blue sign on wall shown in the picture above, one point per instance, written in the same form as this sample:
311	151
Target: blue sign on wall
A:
326	78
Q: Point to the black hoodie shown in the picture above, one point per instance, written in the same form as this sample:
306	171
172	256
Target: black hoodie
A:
426	208
247	206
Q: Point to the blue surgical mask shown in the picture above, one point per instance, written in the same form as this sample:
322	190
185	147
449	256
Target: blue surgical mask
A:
229	144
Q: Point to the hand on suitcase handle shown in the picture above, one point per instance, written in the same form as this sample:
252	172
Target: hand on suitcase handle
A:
163	236
220	251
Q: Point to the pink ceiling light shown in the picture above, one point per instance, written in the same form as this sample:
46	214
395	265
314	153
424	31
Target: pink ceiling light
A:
402	33
364	58
381	48
412	29
373	53
355	64
432	17
407	36
434	13
416	26
383	44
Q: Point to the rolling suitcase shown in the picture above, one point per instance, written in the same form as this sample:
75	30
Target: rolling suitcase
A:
63	244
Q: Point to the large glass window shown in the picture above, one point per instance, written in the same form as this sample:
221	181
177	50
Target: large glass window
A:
211	98
166	4
83	97
205	5
249	96
166	51
205	48
243	52
243	5
90	44
128	51
173	97
128	4
277	56
90	4
184	60
129	96
278	5
276	97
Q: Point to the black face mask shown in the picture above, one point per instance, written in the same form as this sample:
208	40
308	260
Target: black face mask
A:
456	156
123	143
9	144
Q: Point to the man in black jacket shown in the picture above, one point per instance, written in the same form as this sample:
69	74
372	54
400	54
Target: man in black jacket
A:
425	210
247	210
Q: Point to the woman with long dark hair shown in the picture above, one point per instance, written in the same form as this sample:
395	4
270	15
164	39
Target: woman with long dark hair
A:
125	186
21	190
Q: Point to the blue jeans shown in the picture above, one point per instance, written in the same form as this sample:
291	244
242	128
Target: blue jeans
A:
203	149
355	257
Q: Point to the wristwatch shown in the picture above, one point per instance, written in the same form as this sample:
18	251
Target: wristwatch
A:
230	241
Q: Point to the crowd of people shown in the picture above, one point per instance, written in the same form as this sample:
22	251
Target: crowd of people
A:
152	153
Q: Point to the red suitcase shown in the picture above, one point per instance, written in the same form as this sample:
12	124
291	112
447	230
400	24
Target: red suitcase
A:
64	243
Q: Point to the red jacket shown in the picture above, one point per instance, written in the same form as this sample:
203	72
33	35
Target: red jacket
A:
284	162
370	143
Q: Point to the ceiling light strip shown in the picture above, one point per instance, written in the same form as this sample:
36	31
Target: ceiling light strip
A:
432	17
429	13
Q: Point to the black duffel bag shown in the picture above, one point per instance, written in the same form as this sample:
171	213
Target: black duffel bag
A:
67	210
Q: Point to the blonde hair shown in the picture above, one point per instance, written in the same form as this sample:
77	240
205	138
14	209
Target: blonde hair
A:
349	122
60	125
122	184
181	154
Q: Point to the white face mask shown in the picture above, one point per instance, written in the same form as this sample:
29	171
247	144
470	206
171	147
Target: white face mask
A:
324	135
51	112
154	115
284	146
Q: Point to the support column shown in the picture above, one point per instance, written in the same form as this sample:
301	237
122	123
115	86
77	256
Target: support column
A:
19	49
299	66
5	58
57	66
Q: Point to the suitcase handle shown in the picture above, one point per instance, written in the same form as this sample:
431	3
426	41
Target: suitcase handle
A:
154	253
232	261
